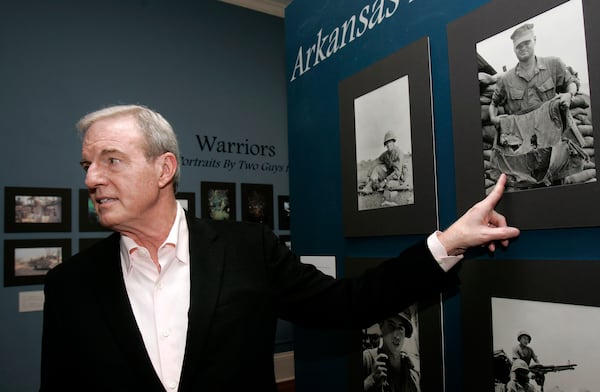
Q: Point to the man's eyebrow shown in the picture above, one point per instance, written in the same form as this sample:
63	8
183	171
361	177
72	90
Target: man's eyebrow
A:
104	152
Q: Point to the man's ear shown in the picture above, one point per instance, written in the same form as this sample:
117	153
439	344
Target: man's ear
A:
168	167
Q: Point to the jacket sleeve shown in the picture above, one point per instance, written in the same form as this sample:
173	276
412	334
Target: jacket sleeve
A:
309	298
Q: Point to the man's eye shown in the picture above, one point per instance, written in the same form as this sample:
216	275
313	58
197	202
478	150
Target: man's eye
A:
85	167
113	161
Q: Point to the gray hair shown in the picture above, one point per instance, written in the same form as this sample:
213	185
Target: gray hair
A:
157	131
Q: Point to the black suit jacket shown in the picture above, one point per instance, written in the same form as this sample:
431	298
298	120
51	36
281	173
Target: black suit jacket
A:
242	280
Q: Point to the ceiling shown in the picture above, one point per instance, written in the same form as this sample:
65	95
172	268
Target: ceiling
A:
272	7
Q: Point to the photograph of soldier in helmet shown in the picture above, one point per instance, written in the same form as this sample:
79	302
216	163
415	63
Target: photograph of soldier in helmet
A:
536	104
391	361
383	147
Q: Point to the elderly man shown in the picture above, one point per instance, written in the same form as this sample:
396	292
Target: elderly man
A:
537	143
170	302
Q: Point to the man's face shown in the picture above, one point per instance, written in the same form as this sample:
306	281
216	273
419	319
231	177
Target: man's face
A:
524	340
522	376
525	50
394	334
390	144
122	183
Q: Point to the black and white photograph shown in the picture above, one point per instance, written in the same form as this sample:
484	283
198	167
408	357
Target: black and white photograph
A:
28	261
284	211
257	203
383	147
406	346
37	209
530	322
387	146
217	200
535	102
522	104
535	344
391	347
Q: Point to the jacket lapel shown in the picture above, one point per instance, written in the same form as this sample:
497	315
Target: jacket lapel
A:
114	302
206	268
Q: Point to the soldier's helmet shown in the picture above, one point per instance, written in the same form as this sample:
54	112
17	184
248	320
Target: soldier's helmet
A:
389	135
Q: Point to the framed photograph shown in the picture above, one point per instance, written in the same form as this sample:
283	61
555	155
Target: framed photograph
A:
283	208
552	302
422	344
187	201
37	209
257	203
545	144
218	200
387	146
27	262
88	218
287	240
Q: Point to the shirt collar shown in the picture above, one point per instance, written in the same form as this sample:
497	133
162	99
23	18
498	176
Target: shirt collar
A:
178	238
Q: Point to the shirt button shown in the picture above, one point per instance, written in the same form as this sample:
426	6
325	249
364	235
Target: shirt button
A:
172	385
166	333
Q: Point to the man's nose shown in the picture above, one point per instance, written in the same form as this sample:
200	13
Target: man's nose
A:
93	176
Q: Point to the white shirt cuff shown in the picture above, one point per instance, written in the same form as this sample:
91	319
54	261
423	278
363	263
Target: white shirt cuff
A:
439	252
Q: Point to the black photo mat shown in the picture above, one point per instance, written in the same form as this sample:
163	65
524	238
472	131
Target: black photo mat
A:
541	208
26	262
28	210
431	356
552	282
257	203
420	216
218	200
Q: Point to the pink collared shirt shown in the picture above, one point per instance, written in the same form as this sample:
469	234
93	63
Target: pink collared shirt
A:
160	300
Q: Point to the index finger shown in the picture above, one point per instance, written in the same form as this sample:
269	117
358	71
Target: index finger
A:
496	194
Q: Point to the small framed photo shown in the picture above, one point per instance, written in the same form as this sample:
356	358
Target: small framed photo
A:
387	146
187	201
37	209
257	203
26	262
88	218
283	208
218	200
546	149
422	345
553	304
287	240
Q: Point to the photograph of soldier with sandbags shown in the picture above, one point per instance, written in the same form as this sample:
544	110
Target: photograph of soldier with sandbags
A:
535	102
544	346
383	147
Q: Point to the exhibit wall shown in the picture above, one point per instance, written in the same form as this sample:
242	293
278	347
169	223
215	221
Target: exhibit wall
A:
214	70
345	65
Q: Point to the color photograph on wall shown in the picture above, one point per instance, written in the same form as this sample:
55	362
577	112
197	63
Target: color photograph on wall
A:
257	203
522	105
407	346
37	209
386	136
27	262
520	310
217	200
